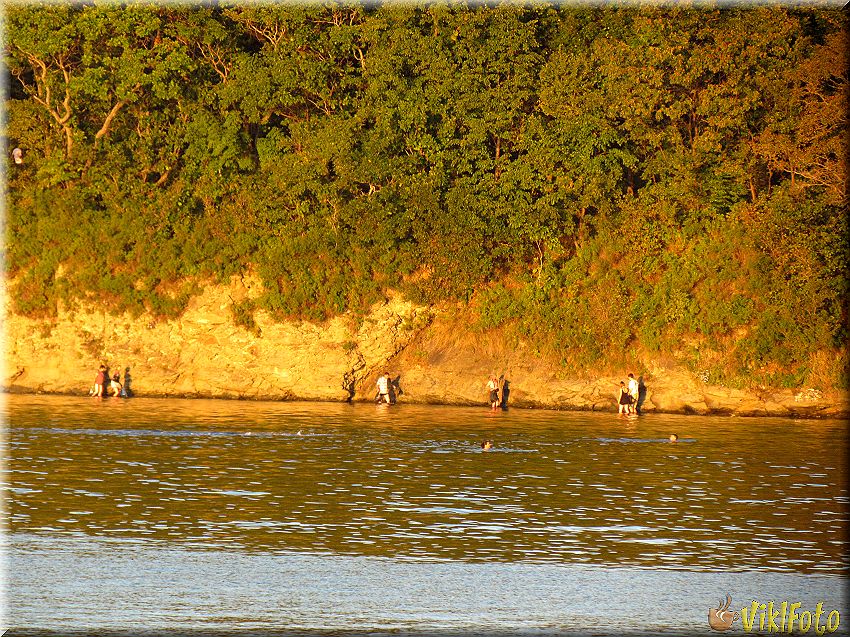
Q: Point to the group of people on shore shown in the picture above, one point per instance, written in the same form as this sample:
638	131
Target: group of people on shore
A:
387	390
627	398
104	385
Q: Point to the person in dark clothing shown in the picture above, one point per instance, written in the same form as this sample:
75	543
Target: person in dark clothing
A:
624	400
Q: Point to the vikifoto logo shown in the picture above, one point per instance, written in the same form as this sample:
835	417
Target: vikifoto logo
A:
773	618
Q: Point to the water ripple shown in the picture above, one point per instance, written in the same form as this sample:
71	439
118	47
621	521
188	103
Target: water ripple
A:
557	487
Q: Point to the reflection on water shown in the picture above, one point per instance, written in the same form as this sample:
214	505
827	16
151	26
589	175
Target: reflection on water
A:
412	483
123	585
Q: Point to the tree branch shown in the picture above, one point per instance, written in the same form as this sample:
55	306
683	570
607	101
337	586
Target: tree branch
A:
104	130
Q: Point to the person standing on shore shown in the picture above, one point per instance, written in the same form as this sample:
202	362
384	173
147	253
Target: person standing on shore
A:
493	388
99	381
623	399
383	385
633	394
115	386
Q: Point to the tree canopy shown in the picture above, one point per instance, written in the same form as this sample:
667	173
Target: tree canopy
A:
607	182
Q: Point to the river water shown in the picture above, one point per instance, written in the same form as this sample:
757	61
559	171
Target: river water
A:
181	515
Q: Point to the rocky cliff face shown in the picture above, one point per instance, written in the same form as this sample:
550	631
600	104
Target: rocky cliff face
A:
434	355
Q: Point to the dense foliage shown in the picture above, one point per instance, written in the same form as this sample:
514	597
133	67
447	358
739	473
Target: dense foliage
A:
608	183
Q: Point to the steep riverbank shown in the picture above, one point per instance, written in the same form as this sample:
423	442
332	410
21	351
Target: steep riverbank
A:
432	352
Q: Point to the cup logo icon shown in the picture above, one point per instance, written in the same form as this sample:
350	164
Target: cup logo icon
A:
721	618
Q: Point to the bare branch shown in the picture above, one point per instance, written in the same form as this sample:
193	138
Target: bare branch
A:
66	103
273	34
214	56
163	177
112	113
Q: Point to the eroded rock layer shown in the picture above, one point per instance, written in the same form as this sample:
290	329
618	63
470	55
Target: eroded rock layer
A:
434	355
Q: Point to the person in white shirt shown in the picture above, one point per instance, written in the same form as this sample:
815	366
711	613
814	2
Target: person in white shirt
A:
633	392
493	387
384	388
115	386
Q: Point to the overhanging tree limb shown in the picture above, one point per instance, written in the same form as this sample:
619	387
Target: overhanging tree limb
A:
104	130
43	95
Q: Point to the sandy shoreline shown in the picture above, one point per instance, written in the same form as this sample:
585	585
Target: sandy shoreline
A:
823	413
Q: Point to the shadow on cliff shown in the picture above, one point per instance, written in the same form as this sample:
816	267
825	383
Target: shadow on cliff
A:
128	383
395	389
506	393
641	395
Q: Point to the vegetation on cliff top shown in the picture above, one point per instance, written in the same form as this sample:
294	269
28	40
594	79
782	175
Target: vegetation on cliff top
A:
609	183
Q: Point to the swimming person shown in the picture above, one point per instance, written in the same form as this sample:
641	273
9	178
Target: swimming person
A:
674	437
486	445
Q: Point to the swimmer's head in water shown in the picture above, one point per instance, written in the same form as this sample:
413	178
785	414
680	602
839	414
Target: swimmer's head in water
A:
486	445
674	437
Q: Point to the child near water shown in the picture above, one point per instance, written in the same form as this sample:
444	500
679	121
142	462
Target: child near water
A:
115	386
623	399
